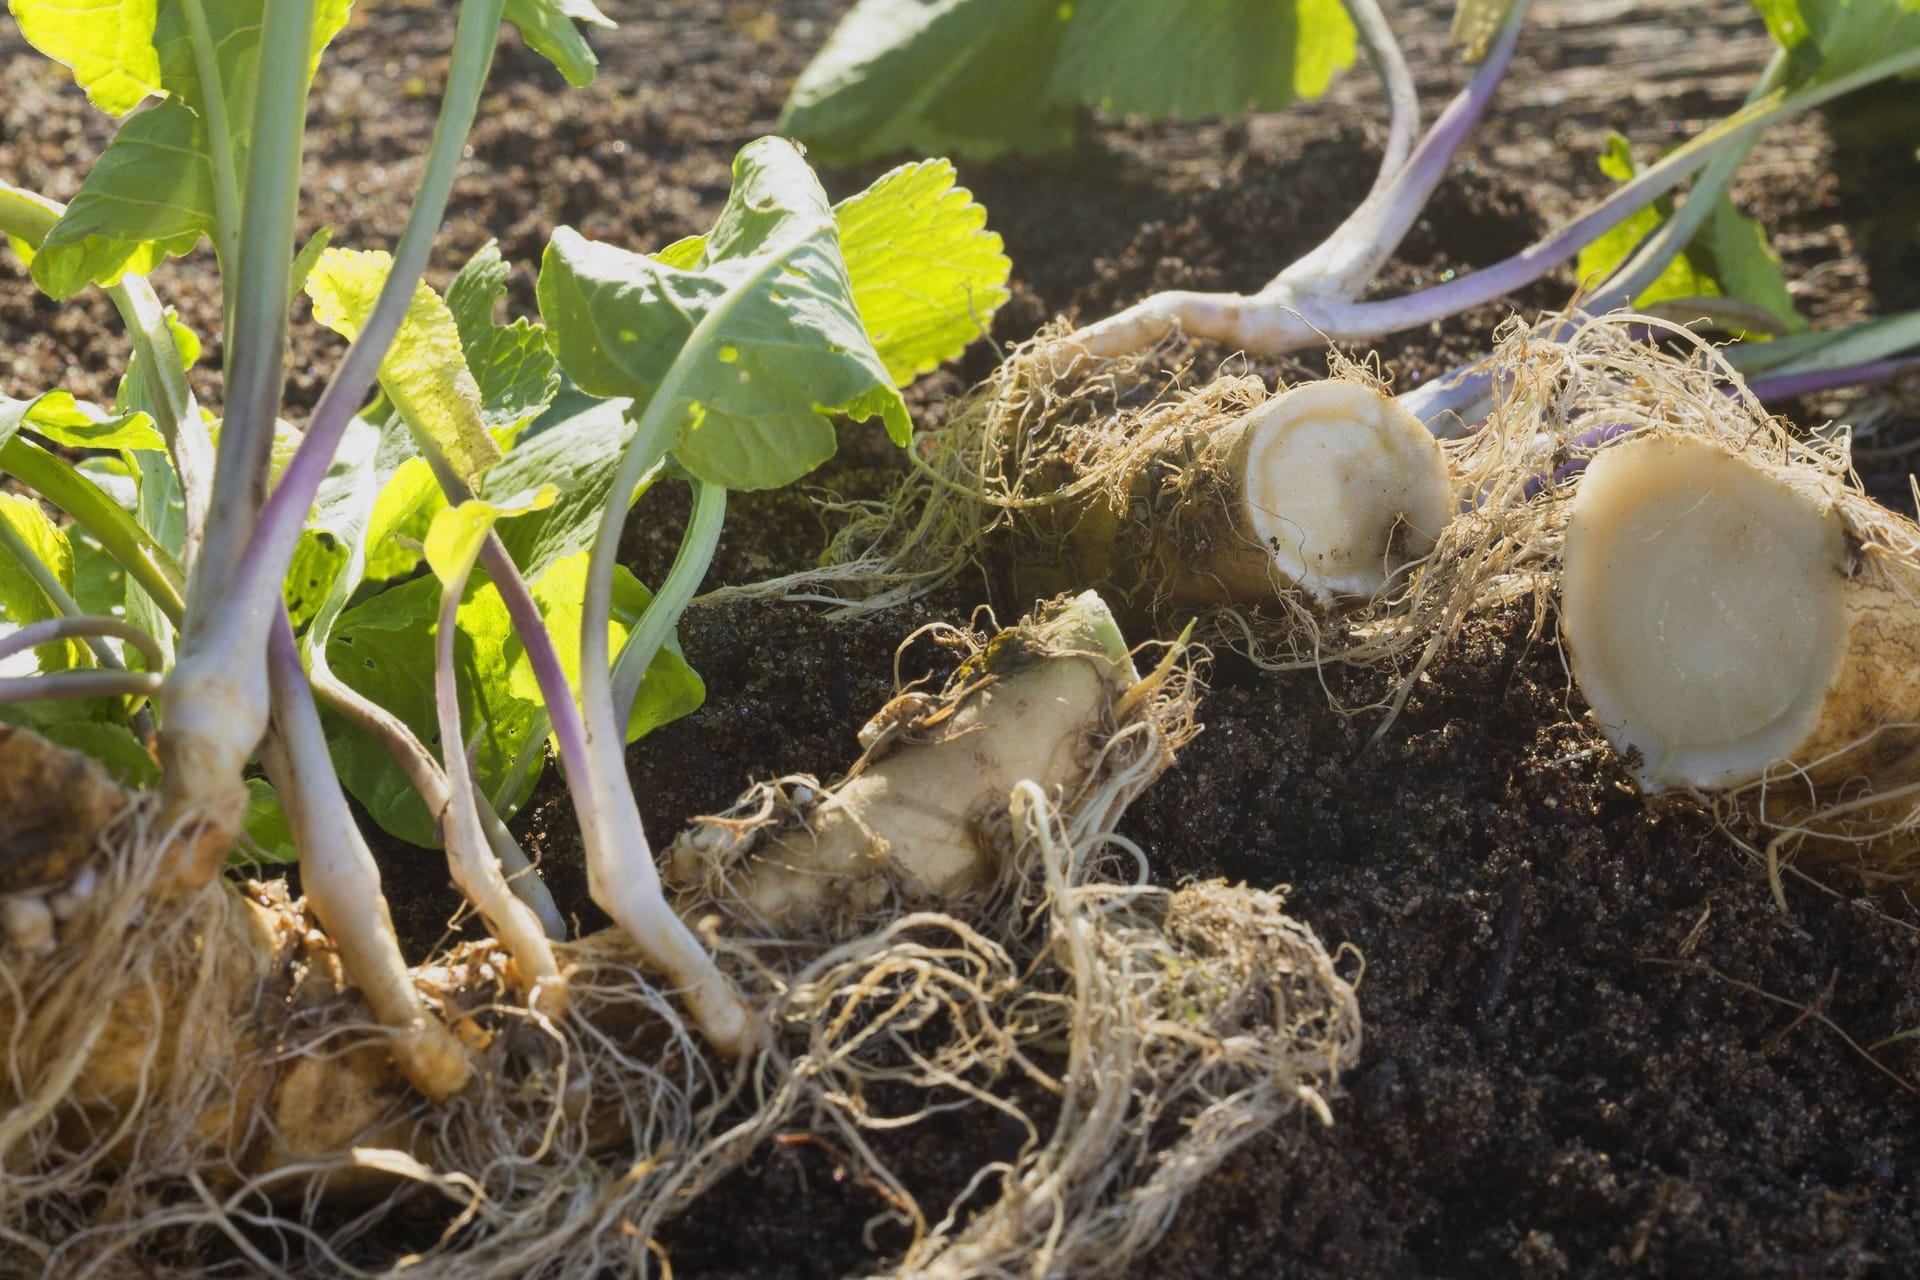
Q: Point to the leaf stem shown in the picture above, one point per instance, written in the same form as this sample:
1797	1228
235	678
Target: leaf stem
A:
286	510
256	360
29	217
76	625
1651	258
1403	100
146	561
1348	259
1791	386
1367	320
690	565
226	183
70	685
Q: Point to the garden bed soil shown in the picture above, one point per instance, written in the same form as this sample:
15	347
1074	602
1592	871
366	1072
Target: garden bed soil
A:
1593	1043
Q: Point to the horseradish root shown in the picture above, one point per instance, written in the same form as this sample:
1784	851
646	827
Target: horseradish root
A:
1735	621
1338	484
1328	489
921	817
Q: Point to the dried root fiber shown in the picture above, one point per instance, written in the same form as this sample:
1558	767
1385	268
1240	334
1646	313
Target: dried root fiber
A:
194	1088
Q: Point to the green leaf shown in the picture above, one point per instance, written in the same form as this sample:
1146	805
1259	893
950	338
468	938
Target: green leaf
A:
1746	266
955	77
671	689
108	44
269	839
383	647
927	275
780	342
547	27
22	601
424	372
984	77
1830	38
512	363
1729	256
454	539
1201	57
58	417
150	195
112	744
77	425
476	290
578	456
305	260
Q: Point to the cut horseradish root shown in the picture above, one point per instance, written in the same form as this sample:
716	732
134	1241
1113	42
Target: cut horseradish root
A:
1328	489
1340	485
1735	622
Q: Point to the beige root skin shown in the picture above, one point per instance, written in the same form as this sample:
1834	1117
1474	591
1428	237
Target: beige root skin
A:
1327	489
242	1073
920	819
1740	624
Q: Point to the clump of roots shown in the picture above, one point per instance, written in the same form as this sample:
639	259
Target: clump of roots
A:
1065	471
193	1085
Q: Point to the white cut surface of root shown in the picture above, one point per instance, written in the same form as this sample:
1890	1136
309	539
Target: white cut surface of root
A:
1343	486
1708	606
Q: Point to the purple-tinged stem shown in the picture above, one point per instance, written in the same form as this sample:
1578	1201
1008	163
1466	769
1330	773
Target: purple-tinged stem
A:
341	880
1581	450
1403	100
470	857
1348	259
83	625
257	581
1791	386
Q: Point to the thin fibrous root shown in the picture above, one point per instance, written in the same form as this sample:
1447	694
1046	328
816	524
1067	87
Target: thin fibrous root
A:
196	1076
921	818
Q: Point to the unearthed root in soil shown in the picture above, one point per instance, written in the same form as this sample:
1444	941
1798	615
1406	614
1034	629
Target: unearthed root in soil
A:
921	818
1787	699
192	1084
1064	472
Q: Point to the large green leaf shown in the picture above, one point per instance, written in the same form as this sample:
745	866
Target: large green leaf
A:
1201	57
780	343
1829	38
548	28
108	44
384	648
150	195
958	77
927	275
424	372
983	77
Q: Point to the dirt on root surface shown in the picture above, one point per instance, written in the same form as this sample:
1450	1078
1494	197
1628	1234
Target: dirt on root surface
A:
1594	1044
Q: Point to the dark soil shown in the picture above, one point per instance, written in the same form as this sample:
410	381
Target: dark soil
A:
1594	1046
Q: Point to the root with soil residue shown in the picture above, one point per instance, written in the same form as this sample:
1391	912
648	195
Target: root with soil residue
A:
1738	614
193	1086
1064	471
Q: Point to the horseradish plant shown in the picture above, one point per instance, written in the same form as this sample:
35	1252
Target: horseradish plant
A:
248	558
